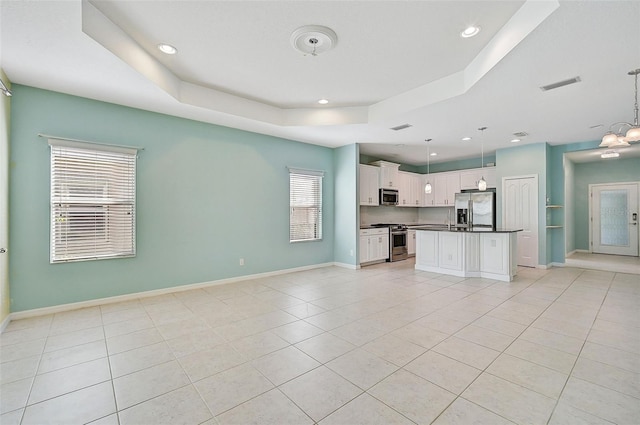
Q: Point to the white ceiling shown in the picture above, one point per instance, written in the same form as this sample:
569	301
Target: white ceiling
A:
395	62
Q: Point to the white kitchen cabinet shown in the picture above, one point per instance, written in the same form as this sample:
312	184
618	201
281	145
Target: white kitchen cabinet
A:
469	178
490	255
388	174
411	242
409	186
494	250
445	186
374	245
369	181
427	250
450	256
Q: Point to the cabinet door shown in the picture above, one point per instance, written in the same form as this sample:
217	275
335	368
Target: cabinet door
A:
439	184
364	249
489	174
450	250
427	248
389	177
416	190
411	242
383	247
494	253
469	179
369	176
453	187
404	190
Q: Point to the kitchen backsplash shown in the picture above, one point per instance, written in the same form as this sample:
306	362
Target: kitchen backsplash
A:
389	214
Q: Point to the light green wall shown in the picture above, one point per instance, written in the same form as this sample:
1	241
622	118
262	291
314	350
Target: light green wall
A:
520	161
609	171
345	161
5	118
463	164
206	196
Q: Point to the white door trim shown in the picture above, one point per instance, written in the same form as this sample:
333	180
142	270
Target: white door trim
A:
590	202
536	210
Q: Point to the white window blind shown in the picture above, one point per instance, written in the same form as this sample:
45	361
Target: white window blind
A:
305	205
93	194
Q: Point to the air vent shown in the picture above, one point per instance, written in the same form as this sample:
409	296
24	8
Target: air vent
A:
401	127
521	134
560	84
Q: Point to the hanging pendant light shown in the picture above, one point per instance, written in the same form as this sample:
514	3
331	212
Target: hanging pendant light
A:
618	139
427	187
482	183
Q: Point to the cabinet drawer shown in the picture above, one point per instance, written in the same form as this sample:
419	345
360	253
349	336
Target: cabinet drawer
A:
371	232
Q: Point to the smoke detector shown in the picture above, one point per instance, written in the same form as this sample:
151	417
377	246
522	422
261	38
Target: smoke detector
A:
313	39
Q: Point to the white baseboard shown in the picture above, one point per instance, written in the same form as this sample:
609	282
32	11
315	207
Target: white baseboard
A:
152	293
347	266
5	322
569	254
554	264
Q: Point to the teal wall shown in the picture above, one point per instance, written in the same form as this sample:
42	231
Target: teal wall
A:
610	171
520	161
206	196
347	207
463	164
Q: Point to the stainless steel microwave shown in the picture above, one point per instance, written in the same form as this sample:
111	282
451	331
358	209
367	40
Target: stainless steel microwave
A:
388	197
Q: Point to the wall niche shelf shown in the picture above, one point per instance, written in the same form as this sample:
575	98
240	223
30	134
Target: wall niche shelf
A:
553	217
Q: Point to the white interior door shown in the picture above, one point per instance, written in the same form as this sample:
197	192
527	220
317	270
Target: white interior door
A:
614	219
520	211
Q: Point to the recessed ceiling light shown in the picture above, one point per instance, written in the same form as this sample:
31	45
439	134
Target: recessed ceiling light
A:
167	48
470	31
515	140
433	154
466	138
323	101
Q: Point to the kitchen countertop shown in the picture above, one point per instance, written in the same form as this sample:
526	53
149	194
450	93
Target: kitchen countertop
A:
409	226
472	230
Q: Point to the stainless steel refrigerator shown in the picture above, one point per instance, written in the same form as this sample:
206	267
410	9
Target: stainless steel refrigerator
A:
475	210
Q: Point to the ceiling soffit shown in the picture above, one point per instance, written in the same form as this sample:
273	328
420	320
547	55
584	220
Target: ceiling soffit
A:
104	31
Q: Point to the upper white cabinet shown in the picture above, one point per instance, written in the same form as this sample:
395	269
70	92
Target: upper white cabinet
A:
388	174
469	178
444	187
409	186
369	176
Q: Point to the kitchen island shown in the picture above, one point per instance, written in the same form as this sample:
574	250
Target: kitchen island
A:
467	253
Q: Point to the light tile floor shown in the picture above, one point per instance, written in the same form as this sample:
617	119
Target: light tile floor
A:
382	345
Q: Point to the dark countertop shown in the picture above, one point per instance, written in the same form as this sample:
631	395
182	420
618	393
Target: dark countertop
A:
473	230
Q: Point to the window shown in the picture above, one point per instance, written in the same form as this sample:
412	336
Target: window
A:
92	201
305	205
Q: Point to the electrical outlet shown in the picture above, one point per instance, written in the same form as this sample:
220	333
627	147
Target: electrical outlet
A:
242	261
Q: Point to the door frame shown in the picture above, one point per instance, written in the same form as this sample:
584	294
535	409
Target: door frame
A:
537	209
591	186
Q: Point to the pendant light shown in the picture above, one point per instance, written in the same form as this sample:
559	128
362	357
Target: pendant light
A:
617	139
427	187
482	183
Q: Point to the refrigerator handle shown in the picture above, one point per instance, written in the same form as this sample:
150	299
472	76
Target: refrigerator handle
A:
470	214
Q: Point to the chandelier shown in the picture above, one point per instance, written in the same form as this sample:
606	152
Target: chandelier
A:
615	138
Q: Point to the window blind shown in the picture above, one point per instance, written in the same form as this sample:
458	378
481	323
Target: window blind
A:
305	205
93	191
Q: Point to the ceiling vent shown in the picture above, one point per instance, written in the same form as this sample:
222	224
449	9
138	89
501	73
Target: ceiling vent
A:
521	134
401	127
560	84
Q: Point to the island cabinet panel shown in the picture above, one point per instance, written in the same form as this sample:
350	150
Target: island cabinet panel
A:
494	256
488	254
427	248
450	250
472	246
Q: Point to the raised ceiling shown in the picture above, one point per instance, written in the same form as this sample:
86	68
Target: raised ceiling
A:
394	63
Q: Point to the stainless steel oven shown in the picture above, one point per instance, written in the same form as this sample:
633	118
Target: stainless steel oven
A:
398	242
